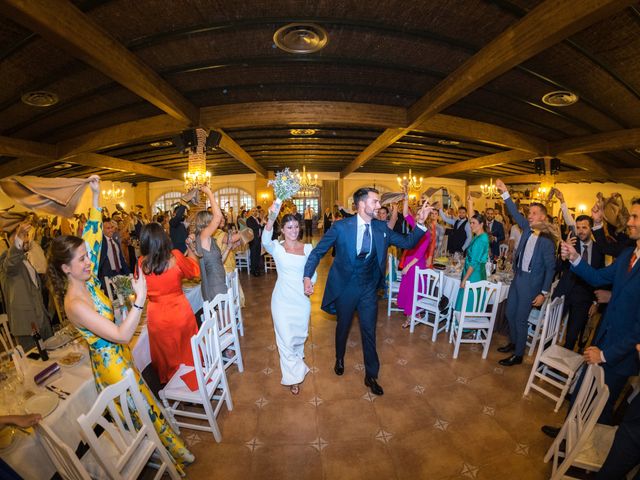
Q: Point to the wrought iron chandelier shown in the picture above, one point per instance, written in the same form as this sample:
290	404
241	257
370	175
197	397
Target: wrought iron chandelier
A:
409	183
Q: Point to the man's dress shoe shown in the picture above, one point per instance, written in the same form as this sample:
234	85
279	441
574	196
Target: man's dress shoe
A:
339	367
373	385
550	431
511	361
508	348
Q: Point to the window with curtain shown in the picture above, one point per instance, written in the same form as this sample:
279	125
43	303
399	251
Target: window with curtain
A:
165	202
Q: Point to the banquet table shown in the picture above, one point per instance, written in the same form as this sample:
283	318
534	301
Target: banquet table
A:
451	282
78	381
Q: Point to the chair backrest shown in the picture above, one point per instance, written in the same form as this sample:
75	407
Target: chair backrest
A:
114	410
207	357
234	284
551	323
485	294
392	268
63	458
504	248
582	418
5	334
108	284
223	306
428	283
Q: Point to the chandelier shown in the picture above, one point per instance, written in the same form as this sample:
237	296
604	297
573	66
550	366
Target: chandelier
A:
197	174
308	183
113	194
410	182
489	191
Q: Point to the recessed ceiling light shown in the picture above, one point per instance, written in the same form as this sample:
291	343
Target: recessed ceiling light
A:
301	38
161	143
448	142
302	132
63	165
560	98
637	150
40	98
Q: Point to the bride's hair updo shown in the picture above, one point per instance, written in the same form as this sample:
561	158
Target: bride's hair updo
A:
61	251
289	217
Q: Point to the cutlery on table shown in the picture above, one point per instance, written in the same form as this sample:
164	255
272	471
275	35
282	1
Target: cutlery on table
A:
52	390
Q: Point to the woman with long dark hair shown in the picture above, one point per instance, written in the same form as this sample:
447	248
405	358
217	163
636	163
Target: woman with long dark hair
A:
170	320
73	278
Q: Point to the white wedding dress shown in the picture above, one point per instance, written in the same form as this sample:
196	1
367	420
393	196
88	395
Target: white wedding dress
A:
290	309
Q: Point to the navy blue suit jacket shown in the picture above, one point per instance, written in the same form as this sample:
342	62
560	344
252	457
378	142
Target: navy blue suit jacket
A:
343	235
497	230
104	267
619	330
543	262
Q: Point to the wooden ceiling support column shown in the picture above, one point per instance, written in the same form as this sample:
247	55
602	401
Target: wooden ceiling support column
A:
66	26
516	44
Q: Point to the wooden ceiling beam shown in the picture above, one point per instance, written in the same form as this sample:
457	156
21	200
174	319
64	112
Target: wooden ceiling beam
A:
601	142
63	24
21	165
136	131
515	45
562	177
585	162
106	162
494	160
14	147
230	146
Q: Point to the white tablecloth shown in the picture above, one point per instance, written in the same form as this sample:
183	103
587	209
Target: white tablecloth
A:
452	285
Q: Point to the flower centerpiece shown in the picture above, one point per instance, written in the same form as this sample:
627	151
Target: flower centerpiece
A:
285	185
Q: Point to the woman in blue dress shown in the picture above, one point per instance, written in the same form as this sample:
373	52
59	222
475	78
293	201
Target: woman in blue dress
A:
475	260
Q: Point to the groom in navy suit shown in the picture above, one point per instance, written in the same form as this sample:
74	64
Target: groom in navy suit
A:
358	271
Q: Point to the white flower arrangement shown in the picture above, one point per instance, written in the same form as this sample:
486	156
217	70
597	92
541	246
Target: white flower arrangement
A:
285	185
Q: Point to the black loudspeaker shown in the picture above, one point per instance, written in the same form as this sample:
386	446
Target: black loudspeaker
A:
186	141
555	166
213	140
539	166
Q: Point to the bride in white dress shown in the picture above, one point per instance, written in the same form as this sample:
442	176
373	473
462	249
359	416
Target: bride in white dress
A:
290	307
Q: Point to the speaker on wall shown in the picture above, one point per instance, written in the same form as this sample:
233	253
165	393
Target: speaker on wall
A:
186	141
539	166
213	140
555	166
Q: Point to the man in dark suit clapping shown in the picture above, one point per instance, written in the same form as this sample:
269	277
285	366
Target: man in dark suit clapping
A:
495	229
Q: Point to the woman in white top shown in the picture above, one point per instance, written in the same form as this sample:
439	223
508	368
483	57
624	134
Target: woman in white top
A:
290	307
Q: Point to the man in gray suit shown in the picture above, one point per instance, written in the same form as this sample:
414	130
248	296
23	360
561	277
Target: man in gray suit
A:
534	267
21	289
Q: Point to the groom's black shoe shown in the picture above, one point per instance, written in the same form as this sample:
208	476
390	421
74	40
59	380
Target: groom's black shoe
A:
508	348
339	367
373	385
511	361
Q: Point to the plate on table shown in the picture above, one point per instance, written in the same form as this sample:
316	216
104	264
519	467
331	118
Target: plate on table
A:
57	341
70	359
42	403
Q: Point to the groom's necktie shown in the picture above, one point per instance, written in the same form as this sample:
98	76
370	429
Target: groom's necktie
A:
366	242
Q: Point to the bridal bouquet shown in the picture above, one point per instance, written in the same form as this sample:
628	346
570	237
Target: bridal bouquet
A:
285	185
123	288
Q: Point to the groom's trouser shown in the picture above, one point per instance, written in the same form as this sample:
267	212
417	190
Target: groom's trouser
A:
360	295
518	309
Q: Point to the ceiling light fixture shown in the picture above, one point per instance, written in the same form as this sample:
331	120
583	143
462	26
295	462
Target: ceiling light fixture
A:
560	98
302	132
448	142
40	98
63	165
161	143
301	38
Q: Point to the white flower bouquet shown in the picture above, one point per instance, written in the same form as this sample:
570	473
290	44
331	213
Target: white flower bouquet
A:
285	185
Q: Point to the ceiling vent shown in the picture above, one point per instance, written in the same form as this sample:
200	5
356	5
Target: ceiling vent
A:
302	132
561	98
301	38
40	98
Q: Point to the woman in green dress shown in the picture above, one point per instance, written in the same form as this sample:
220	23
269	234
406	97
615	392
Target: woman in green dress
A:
476	259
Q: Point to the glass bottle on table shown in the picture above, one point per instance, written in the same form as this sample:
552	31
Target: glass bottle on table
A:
44	356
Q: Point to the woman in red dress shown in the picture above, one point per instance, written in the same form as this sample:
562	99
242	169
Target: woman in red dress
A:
170	320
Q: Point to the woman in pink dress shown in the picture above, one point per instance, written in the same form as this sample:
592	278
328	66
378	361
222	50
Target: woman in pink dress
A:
413	258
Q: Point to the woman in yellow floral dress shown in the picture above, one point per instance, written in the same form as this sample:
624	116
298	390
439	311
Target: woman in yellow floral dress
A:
73	268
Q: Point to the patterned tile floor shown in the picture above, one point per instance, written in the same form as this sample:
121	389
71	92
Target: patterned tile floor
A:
438	419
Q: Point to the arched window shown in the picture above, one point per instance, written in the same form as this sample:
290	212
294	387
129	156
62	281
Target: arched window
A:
165	202
233	197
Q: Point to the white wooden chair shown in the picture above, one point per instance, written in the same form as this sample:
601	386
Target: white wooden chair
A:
479	308
582	442
427	290
6	340
211	377
504	249
535	320
243	260
133	446
67	464
553	364
228	334
233	282
393	286
269	263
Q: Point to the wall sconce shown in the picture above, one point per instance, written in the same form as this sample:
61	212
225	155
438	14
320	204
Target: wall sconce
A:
264	197
582	208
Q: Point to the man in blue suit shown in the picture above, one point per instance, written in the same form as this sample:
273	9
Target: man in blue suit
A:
619	331
358	271
533	266
495	229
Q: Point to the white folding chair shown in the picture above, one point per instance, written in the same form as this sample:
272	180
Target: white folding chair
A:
243	260
504	249
269	263
394	275
229	338
479	307
67	464
535	320
6	341
129	447
211	377
582	442
233	282
553	364
108	285
427	290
